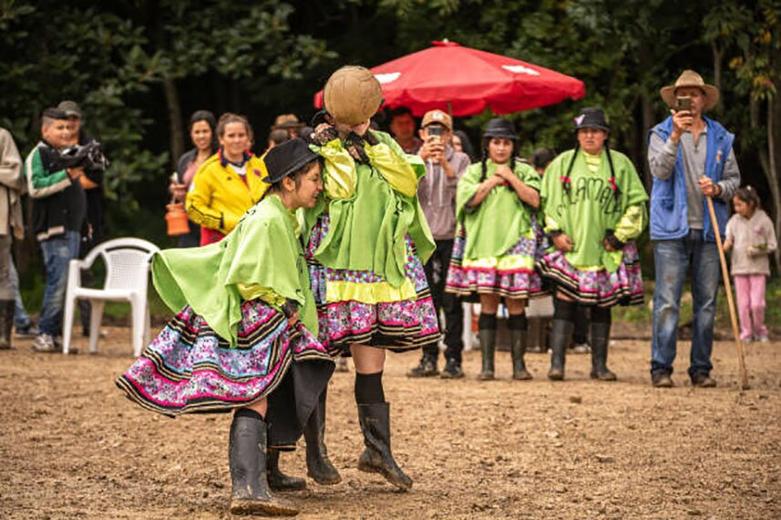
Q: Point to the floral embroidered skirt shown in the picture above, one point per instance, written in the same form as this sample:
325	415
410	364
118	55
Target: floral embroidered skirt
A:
511	275
345	316
189	368
596	287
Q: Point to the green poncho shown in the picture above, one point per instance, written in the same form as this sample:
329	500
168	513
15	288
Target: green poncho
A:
501	219
372	209
263	251
591	207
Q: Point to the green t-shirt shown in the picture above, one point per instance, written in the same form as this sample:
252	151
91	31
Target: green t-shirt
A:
591	207
498	222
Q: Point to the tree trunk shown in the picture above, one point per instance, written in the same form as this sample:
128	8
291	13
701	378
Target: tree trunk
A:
768	162
176	130
772	171
717	54
648	122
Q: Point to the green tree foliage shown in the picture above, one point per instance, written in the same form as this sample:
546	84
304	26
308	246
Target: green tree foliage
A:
111	58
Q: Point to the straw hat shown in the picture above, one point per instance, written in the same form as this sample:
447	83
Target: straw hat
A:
352	95
689	78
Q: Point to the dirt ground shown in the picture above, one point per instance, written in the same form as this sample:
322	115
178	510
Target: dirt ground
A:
71	446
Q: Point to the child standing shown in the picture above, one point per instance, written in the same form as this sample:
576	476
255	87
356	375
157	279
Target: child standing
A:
751	237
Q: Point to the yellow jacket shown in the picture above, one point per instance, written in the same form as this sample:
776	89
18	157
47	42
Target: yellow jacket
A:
218	197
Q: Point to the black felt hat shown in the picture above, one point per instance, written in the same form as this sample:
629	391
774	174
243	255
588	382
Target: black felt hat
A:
592	117
499	127
287	158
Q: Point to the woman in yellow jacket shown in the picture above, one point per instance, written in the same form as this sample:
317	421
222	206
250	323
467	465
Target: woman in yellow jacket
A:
228	184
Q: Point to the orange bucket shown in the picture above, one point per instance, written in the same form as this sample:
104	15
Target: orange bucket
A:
176	219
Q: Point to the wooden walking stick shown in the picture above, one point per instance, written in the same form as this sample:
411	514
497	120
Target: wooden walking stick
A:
730	302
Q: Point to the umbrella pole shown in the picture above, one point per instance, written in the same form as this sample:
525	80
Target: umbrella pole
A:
450	109
730	302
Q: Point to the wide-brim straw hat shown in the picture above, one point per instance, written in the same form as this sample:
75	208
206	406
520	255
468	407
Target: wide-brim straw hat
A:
352	95
690	78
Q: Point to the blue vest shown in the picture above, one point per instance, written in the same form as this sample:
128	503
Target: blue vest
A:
669	211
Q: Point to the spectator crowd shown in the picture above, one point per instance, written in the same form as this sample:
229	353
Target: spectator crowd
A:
506	228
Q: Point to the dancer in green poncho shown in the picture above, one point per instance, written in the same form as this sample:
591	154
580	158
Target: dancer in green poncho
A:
245	337
494	254
367	241
594	207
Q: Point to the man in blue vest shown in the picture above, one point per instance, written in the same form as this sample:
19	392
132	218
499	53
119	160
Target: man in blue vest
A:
690	157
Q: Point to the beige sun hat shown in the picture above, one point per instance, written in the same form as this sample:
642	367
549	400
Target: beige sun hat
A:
689	78
352	95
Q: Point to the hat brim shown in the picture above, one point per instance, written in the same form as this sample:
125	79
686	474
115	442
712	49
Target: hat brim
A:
598	127
440	123
490	135
711	95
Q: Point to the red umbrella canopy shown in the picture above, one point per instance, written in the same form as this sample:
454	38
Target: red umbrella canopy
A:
466	81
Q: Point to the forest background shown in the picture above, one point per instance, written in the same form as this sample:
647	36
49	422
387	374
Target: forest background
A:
139	68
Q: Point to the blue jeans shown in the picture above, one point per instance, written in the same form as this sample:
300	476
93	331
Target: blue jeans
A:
21	318
672	259
57	254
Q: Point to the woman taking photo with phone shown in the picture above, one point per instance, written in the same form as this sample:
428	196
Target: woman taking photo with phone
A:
493	258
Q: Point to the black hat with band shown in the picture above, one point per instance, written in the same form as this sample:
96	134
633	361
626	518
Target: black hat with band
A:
287	158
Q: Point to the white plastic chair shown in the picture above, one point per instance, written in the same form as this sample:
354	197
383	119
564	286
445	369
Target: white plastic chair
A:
127	271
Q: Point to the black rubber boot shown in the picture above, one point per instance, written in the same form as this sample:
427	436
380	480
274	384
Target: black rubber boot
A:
6	323
250	493
488	350
279	481
518	349
428	363
600	336
318	465
561	331
377	457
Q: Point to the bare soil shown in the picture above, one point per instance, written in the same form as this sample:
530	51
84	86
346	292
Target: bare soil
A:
71	446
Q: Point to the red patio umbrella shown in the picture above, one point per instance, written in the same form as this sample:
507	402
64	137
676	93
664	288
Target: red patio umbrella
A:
465	81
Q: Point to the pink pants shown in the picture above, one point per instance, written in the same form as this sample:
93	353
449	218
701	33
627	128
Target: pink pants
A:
750	289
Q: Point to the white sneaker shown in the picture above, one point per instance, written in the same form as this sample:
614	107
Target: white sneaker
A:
44	343
581	348
763	339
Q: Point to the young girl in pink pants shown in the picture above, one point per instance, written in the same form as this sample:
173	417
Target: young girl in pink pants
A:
751	237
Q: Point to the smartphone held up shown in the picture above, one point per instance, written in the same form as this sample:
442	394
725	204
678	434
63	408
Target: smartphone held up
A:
683	103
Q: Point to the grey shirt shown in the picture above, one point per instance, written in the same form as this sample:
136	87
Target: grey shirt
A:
661	160
437	194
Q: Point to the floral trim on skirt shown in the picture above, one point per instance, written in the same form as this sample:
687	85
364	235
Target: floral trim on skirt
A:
189	368
597	287
519	281
396	325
